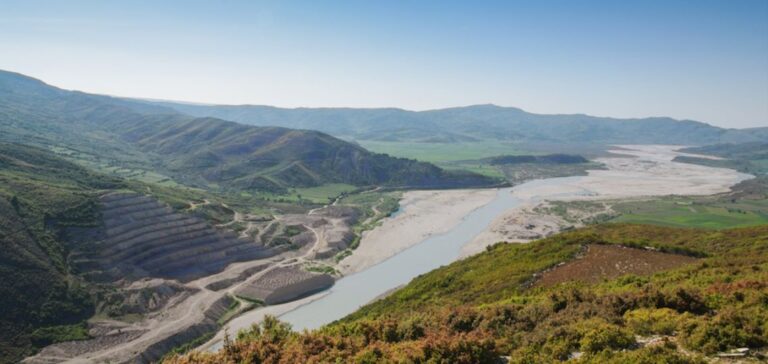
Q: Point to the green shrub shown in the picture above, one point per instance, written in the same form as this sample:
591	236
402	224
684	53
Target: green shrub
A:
662	354
54	334
598	336
730	328
371	356
648	321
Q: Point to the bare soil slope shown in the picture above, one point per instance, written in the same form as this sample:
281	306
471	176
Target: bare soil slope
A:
601	262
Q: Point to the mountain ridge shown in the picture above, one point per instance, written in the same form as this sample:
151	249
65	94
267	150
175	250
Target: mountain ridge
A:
475	122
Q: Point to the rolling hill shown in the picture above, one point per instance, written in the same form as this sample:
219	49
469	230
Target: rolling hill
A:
475	123
204	152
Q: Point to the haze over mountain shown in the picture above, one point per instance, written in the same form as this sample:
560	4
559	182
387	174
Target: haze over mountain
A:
475	123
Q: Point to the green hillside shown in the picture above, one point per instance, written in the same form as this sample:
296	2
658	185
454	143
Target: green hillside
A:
709	298
749	158
269	158
41	196
137	139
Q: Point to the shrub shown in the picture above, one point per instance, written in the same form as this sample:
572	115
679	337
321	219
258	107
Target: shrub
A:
599	336
370	356
650	355
648	321
730	328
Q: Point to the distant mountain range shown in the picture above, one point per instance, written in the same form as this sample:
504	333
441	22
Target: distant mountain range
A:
200	152
475	123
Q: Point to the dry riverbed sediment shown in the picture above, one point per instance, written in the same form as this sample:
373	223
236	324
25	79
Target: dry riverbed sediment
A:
636	171
423	214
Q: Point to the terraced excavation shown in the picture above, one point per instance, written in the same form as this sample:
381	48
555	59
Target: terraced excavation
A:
143	237
176	273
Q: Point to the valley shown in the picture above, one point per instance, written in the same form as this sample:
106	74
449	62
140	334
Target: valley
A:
383	182
163	232
425	236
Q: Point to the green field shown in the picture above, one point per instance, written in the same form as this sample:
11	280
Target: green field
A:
316	195
442	152
688	212
472	157
472	166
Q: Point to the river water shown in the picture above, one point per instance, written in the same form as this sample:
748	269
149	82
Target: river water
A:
351	292
649	172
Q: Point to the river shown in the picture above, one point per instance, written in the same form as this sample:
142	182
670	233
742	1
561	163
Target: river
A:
648	171
353	291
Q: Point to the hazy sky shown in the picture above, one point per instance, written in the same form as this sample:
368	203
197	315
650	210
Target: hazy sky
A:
697	59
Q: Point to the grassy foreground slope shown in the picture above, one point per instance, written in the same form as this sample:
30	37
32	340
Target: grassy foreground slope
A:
489	306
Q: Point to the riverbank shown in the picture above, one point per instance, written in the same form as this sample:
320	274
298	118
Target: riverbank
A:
637	171
437	227
422	214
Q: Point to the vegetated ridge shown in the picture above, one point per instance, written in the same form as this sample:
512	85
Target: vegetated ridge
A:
749	158
711	299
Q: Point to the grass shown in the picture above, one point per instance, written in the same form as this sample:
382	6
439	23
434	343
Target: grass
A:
476	167
132	170
385	205
442	152
54	334
469	157
693	212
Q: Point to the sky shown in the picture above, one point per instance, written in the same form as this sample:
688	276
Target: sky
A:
698	59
